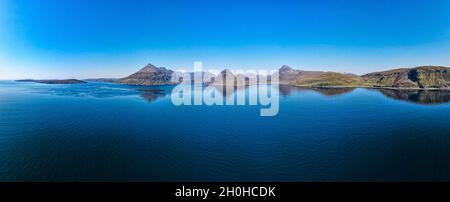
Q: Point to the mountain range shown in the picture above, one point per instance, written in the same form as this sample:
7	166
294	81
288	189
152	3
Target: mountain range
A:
422	77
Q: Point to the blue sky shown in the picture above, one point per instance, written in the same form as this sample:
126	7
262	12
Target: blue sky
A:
112	38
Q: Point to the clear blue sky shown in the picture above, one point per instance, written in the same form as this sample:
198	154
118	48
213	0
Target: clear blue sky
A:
112	38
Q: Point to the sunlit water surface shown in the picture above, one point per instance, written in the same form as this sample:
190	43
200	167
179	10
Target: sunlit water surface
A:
101	132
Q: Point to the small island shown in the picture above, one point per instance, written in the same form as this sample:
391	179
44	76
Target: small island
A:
64	81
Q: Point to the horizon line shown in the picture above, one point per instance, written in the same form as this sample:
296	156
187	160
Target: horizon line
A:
231	69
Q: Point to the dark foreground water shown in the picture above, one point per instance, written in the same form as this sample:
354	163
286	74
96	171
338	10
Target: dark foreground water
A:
113	132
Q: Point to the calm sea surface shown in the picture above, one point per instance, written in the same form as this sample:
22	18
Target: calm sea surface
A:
101	132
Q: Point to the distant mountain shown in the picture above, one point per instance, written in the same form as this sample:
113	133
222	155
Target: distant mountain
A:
193	77
318	78
150	75
65	81
418	77
228	78
287	75
331	79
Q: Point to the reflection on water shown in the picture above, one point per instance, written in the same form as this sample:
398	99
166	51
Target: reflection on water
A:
418	96
426	97
364	135
94	89
333	91
287	90
228	91
152	94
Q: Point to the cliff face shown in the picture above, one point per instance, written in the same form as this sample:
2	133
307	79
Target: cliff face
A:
391	78
150	75
432	77
419	77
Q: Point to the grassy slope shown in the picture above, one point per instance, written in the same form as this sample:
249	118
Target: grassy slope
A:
331	79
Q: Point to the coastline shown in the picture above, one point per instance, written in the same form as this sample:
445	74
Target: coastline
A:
218	85
371	87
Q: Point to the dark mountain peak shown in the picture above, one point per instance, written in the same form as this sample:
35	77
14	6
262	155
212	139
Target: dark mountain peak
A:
286	68
150	75
226	72
228	78
149	69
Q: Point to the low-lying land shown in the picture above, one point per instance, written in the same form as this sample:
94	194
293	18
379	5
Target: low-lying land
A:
65	81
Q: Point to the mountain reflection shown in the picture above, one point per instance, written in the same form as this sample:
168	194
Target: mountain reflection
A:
418	96
287	90
152	94
227	91
102	90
